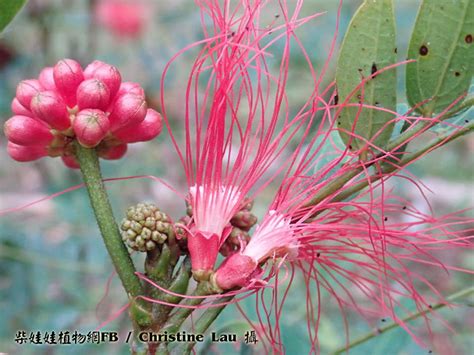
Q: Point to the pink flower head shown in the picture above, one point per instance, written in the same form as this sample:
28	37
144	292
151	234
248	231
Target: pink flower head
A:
125	18
371	239
235	126
273	238
67	103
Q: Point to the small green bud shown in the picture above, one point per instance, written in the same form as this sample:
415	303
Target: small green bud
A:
146	233
150	245
135	226
145	227
126	224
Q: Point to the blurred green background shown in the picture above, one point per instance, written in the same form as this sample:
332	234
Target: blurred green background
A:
53	266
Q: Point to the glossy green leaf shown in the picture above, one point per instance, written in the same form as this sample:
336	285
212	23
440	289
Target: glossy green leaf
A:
369	45
442	45
8	10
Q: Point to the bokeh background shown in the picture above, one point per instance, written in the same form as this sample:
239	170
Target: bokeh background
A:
54	272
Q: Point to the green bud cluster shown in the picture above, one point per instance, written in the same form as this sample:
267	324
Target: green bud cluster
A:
145	227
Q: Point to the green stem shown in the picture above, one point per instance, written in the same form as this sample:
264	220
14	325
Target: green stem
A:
456	296
179	285
337	183
123	264
177	319
203	323
408	158
466	104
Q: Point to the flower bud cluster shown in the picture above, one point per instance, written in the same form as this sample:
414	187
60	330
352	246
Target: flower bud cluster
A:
241	223
181	233
66	103
145	227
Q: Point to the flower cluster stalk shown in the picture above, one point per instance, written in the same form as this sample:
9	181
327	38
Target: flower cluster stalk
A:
402	139
119	254
454	297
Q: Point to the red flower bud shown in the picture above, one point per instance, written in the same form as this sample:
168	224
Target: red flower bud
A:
50	107
131	88
67	76
128	110
234	271
105	72
113	153
26	153
25	130
70	161
90	127
26	90
93	93
46	79
19	109
148	129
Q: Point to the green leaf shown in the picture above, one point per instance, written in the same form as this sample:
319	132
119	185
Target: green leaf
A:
442	45
8	10
369	45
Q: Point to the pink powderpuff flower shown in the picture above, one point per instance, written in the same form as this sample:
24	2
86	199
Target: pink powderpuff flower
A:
125	18
67	103
236	127
346	243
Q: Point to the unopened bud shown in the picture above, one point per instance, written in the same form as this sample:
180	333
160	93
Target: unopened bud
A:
247	204
46	78
26	153
181	233
26	90
244	219
113	153
68	75
146	130
70	161
189	209
128	110
107	73
236	241
51	108
27	131
131	88
90	127
235	271
93	93
19	109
